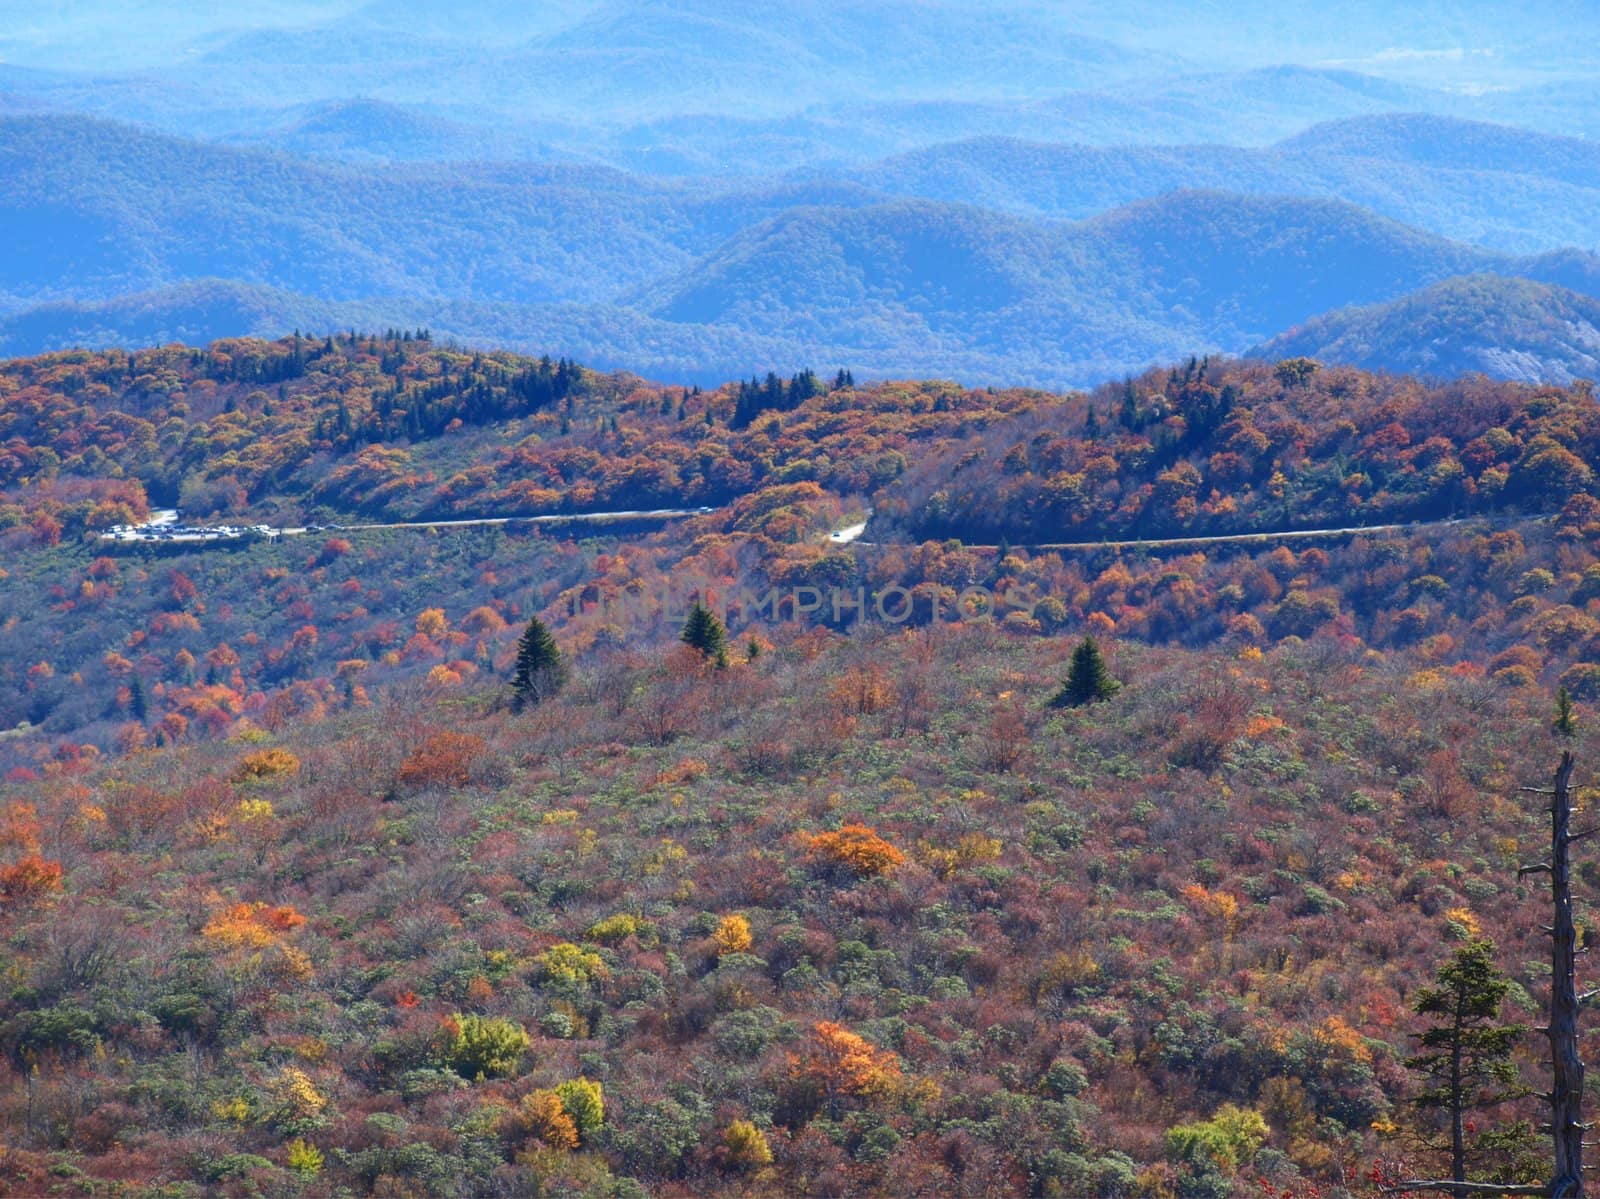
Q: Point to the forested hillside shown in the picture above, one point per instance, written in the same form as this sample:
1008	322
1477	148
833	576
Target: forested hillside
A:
372	430
301	902
660	937
1503	188
1509	328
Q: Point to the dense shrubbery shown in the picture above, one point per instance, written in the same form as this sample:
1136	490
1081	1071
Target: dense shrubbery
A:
916	966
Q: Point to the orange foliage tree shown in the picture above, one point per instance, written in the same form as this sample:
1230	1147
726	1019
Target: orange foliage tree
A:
30	878
841	1065
856	848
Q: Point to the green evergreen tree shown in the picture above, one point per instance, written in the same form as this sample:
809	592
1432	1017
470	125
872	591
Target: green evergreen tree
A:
704	630
1566	725
1465	1057
1129	414
1088	679
541	671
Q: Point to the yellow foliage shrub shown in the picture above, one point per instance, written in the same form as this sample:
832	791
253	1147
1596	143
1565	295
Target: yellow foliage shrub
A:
732	935
251	925
568	963
267	764
295	1096
971	849
254	809
746	1146
614	928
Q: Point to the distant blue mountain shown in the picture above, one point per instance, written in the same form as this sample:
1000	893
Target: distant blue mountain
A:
818	82
897	287
1504	188
1505	328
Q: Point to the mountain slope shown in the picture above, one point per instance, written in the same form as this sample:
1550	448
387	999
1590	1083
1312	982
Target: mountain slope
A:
1425	140
196	313
101	209
691	281
375	131
1191	271
900	288
1509	189
1506	328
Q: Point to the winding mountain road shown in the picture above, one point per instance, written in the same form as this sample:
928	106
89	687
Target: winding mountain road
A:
852	534
164	527
551	518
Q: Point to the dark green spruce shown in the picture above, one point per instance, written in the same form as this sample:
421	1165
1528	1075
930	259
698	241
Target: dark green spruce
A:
1566	724
705	632
1088	680
541	671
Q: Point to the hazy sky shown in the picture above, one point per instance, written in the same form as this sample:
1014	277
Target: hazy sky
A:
1467	43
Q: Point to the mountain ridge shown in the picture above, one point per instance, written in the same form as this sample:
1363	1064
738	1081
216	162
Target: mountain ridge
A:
1515	329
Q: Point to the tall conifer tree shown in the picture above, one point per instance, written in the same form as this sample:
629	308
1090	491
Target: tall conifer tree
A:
541	671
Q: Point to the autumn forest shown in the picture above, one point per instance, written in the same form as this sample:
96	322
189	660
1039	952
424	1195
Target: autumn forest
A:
388	856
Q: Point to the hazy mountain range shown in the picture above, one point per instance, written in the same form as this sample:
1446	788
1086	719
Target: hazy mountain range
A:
1044	193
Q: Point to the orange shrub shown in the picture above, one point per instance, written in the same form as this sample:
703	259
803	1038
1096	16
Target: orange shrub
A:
252	925
20	827
862	692
686	770
29	878
841	1064
857	848
483	621
543	1117
442	760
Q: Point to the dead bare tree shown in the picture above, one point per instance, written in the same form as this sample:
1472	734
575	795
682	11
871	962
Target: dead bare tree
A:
1566	1093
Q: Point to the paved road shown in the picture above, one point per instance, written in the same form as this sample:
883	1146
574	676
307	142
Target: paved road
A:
1284	535
854	532
163	526
634	514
